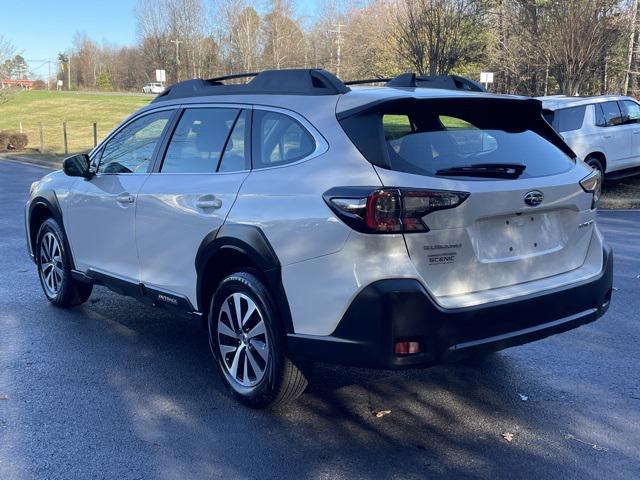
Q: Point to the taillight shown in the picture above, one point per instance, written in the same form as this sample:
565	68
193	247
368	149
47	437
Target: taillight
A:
389	210
592	183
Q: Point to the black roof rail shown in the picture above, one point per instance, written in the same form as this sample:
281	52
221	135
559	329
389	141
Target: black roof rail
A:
278	82
411	80
367	80
447	82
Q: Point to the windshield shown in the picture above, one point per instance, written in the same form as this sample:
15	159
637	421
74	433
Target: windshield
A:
429	143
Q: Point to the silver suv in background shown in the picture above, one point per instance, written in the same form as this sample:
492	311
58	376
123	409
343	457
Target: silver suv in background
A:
603	131
302	219
153	87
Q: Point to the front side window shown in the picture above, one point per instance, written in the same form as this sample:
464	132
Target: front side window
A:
279	139
630	111
199	139
608	114
131	149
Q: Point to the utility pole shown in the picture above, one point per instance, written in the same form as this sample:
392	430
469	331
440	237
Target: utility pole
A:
177	42
338	32
68	72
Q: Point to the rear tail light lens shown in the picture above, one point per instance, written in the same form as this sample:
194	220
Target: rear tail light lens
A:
592	183
407	348
389	210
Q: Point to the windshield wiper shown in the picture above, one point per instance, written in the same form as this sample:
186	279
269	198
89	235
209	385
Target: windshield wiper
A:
485	170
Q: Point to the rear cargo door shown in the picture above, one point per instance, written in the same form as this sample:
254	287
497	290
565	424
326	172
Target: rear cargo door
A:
526	216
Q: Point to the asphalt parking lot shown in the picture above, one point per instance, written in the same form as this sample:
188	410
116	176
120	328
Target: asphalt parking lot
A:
115	389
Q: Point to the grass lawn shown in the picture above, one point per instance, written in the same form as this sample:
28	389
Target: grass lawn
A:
79	110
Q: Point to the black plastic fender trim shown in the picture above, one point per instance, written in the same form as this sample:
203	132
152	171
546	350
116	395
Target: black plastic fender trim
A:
50	201
250	241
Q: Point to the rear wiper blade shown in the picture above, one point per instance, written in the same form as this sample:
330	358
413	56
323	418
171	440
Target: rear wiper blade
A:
485	170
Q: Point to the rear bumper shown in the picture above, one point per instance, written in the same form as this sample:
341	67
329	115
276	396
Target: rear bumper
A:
389	311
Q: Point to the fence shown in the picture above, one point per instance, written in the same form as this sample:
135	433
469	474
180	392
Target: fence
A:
63	138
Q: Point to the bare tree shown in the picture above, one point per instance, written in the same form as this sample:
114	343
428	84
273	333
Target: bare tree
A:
436	36
578	35
282	37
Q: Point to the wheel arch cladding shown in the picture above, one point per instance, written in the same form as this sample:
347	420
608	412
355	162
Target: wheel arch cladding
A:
232	248
42	207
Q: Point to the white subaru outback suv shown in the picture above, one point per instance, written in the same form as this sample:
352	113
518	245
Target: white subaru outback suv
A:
303	220
603	131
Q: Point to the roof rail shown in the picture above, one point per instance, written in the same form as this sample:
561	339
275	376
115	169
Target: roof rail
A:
411	80
279	82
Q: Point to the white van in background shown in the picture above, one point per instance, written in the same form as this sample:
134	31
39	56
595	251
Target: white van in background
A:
603	131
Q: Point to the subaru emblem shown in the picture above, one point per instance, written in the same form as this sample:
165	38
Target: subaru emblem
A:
533	198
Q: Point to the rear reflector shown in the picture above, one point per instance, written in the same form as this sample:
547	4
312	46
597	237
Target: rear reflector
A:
407	348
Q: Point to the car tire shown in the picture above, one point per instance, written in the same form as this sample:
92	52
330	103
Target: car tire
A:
596	164
54	268
249	347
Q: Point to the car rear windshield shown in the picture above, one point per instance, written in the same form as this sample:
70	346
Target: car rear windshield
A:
438	139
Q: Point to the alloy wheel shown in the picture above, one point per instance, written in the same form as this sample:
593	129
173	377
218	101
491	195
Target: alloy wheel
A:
51	265
243	340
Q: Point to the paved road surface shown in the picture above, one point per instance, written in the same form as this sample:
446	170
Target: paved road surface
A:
115	389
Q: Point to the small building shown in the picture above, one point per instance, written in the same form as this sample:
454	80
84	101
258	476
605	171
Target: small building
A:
24	83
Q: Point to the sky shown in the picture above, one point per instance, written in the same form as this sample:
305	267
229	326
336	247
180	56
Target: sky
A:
40	29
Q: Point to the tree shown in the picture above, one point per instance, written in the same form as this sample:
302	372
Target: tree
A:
283	39
103	82
578	36
436	36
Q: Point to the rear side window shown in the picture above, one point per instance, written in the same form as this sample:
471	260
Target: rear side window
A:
432	137
569	119
199	139
630	111
608	114
279	139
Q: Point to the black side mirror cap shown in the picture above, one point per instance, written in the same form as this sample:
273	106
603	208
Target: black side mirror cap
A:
77	166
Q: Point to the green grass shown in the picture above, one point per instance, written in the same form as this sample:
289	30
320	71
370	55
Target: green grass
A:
79	110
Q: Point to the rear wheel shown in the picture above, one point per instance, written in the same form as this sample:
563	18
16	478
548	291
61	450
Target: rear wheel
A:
248	344
595	163
54	268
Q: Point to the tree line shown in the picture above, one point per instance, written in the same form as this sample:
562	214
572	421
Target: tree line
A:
534	47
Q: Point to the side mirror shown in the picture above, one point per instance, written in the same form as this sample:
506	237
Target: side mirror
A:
77	166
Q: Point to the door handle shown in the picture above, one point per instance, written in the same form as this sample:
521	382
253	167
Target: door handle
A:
125	198
209	201
635	132
608	136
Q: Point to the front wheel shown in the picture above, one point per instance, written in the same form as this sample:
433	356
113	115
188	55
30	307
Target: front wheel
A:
248	345
54	268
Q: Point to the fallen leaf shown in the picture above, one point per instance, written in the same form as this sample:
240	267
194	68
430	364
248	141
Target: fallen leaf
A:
382	413
508	436
523	397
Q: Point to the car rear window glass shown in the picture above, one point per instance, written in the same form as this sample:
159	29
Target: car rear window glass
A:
608	114
279	139
198	141
569	119
630	111
423	141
